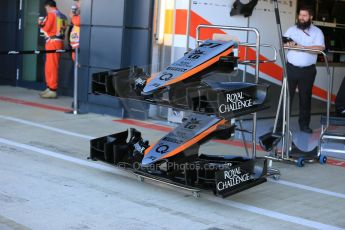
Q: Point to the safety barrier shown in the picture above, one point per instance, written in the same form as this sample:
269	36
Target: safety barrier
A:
39	52
23	52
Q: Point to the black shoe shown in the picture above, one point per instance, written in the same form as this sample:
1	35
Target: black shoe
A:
306	129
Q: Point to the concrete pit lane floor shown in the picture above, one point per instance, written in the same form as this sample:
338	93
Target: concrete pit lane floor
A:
46	181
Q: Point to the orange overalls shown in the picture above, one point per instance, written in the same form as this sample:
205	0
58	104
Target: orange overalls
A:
75	34
53	28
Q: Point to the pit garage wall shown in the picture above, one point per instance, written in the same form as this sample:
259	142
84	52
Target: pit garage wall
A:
217	12
114	34
8	28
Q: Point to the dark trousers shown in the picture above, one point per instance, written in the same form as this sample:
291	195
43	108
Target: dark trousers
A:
340	100
302	78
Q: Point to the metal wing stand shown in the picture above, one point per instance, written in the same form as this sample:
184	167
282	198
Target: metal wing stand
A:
275	173
289	151
270	141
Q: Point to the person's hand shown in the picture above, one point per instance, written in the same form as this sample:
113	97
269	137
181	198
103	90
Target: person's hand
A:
40	21
291	44
299	46
71	14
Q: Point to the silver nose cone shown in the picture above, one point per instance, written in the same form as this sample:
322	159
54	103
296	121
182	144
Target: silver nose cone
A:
147	161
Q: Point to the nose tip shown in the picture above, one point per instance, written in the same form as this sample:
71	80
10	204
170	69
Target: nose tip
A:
146	161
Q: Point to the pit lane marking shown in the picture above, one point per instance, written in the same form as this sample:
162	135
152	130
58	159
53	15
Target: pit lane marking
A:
282	182
233	204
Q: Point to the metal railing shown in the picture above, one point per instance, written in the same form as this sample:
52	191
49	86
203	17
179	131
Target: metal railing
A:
75	91
329	98
39	52
257	47
261	61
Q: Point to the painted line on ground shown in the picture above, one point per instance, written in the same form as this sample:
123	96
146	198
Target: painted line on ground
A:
336	163
145	125
60	156
34	104
141	124
233	204
276	215
25	122
308	188
286	183
10	224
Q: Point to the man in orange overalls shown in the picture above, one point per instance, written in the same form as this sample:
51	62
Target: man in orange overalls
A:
53	27
75	32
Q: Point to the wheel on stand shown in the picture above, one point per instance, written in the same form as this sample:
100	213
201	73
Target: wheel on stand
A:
196	194
141	179
300	162
322	159
276	177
